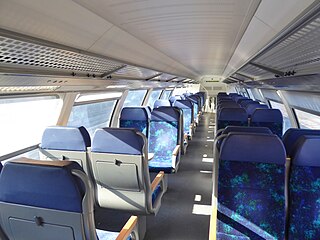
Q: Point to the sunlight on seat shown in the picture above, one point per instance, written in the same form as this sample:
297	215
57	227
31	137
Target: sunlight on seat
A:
207	160
197	198
245	222
199	209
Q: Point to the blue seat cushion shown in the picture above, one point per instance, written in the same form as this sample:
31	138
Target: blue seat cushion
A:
44	184
292	135
65	138
156	193
107	235
117	141
139	125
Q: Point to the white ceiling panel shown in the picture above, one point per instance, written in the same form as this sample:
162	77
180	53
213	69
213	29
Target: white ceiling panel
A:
200	34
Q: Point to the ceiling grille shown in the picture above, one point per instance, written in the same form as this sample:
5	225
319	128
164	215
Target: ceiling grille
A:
17	53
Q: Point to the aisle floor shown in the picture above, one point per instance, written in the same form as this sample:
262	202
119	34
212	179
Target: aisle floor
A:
186	207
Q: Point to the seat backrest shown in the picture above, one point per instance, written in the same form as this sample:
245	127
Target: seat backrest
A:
245	103
166	132
136	117
119	158
304	190
161	103
66	143
251	107
239	100
46	200
251	186
187	109
271	118
291	136
195	108
232	116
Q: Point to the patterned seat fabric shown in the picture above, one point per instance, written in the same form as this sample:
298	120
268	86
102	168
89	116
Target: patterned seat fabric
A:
251	182
270	118
304	190
165	134
136	117
186	107
292	135
232	116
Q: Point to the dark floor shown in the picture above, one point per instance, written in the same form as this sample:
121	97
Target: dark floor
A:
176	219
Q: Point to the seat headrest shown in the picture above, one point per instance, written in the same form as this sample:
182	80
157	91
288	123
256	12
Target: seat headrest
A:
65	138
135	113
307	151
229	129
253	147
44	184
250	108
267	115
168	114
118	141
183	104
233	114
293	134
161	103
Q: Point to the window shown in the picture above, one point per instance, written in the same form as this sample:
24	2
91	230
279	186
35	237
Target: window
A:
250	93
166	94
92	115
153	97
134	98
24	119
307	120
286	120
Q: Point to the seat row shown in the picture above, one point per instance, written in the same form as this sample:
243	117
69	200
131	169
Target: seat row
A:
240	111
255	189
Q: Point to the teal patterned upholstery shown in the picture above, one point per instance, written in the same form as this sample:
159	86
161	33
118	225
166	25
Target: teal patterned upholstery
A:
140	125
304	190
251	182
136	117
165	134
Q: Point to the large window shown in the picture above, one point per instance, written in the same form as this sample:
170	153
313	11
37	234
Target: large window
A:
134	98
24	119
250	93
286	119
166	94
307	120
92	115
153	97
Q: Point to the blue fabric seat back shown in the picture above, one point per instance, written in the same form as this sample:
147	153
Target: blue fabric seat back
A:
135	117
271	118
196	99
304	190
232	116
195	108
251	186
291	136
43	184
165	134
239	100
239	129
161	103
187	109
251	107
117	141
66	138
244	102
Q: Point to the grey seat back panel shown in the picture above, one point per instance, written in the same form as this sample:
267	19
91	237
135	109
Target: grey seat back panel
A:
121	182
19	223
77	156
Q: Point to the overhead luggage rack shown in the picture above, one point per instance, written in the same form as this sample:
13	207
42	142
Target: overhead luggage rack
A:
295	51
20	54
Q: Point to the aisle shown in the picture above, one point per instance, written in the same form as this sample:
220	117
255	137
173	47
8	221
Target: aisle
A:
185	210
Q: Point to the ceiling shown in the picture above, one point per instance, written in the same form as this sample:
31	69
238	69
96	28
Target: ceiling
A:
187	38
200	34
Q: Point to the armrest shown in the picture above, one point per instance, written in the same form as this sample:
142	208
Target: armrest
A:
127	228
157	180
288	159
150	156
175	151
185	136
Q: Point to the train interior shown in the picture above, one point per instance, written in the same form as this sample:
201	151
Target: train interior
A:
169	120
